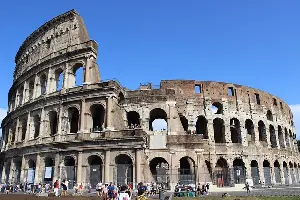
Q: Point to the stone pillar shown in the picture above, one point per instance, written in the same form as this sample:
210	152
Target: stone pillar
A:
66	78
227	132
49	86
12	170
248	168
37	87
268	136
79	167
82	116
261	171
60	117
210	130
56	174
23	168
37	176
28	132
42	123
243	131
18	131
86	77
3	177
107	166
138	166
277	137
289	174
108	113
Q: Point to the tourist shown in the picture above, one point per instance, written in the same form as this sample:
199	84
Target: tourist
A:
105	191
247	187
56	186
207	188
64	188
111	189
99	189
123	195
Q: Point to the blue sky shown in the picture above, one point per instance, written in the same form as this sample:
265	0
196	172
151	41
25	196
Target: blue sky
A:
254	43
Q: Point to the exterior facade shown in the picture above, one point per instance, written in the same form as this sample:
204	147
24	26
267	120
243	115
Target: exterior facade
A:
100	131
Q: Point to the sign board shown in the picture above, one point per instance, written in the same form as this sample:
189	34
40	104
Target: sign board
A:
48	172
94	170
30	175
249	181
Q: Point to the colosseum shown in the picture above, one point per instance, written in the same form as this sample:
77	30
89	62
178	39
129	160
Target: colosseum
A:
59	128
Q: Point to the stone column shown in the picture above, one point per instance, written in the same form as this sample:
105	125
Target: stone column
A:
28	132
108	112
42	123
12	170
277	137
66	78
49	88
243	131
56	167
261	171
138	166
60	117
3	173
82	116
86	77
37	177
18	131
23	168
248	167
227	132
268	136
79	167
107	165
210	130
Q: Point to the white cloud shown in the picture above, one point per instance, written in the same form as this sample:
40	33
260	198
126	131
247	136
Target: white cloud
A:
159	124
296	112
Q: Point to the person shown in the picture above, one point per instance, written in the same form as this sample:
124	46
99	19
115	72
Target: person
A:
105	191
99	189
129	191
141	193
56	186
123	194
247	186
198	189
64	188
110	189
207	188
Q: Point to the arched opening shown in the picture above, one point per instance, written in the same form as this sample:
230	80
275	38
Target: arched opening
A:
121	98
208	167
23	128
12	133
95	170
18	168
187	171
124	170
292	172
219	130
280	137
267	172
133	119
73	119
297	172
272	136
184	123
159	168
255	172
21	95
285	172
239	171
43	83
201	126
222	176
30	171
36	122
98	115
69	170
59	79
31	89
277	172
269	115
235	131
291	139
217	108
78	75
158	120
262	131
287	140
53	119
250	130
49	166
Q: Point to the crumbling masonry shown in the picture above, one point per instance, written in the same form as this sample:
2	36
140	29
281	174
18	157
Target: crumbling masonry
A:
100	131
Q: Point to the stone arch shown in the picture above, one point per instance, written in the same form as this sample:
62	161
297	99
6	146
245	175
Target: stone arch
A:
267	172
281	137
20	91
31	89
217	108
48	171
158	114
235	130
69	170
49	162
98	117
133	119
73	115
31	171
219	130
239	171
201	126
59	79
255	172
77	78
121	98
36	124
43	83
272	136
18	168
184	122
250	130
222	174
95	169
262	131
187	170
269	115
277	172
291	167
124	165
23	123
159	168
53	122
